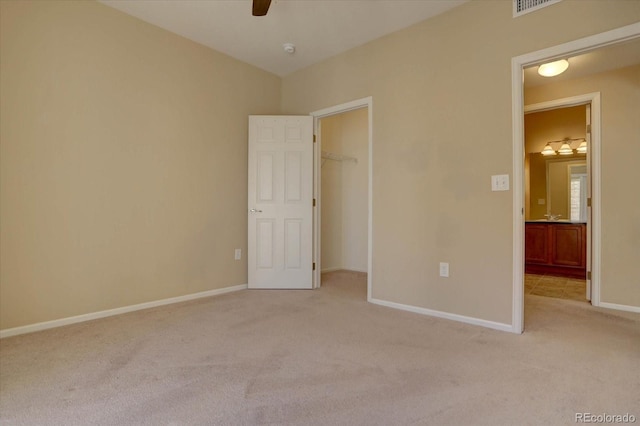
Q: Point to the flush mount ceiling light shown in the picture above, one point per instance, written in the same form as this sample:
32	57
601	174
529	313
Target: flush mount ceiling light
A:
552	69
290	48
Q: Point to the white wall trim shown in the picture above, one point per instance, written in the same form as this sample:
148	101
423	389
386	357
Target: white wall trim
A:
562	103
518	63
117	311
317	115
627	308
344	269
445	315
348	269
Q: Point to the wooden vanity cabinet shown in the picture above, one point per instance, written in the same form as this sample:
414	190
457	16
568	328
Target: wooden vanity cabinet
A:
556	248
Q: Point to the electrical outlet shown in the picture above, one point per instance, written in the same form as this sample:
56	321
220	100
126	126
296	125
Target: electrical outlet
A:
444	269
238	254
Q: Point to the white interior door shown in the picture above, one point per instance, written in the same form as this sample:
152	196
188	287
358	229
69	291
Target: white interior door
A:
280	219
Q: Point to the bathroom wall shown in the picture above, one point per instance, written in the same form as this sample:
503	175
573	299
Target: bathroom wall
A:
540	128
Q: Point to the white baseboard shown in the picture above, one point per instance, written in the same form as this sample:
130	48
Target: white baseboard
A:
117	311
355	269
439	314
333	269
627	308
343	269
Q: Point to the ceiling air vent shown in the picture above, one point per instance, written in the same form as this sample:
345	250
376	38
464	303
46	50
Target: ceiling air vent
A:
520	7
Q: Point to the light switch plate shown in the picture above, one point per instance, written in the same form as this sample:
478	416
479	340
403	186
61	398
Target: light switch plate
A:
500	182
444	269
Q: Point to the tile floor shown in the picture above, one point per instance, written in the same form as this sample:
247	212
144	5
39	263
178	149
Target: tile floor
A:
558	287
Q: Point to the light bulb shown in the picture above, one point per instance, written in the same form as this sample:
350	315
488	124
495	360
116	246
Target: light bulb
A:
565	149
548	150
553	68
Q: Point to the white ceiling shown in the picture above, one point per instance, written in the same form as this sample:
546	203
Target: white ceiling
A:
600	60
318	28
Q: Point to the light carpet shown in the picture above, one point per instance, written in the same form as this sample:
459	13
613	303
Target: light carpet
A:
321	357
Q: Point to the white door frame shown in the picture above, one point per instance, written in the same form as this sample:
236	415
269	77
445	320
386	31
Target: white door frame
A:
518	64
317	115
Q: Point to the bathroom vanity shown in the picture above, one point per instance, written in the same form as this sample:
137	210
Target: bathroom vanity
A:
556	248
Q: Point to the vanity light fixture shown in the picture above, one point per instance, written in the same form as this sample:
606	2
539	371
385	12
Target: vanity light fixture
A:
565	147
552	69
582	148
548	150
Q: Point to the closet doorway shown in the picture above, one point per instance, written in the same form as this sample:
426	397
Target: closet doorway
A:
343	192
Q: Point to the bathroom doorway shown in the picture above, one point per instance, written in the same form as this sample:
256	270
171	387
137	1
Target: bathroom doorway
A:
611	69
557	138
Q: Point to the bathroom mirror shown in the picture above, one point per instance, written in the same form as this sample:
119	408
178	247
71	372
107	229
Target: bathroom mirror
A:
557	185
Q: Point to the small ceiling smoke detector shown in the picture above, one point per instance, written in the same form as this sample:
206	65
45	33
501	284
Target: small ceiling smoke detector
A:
290	48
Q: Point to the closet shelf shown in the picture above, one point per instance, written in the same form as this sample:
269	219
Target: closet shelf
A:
338	157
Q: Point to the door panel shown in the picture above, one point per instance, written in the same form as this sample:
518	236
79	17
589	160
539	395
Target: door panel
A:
568	245
536	243
265	177
280	201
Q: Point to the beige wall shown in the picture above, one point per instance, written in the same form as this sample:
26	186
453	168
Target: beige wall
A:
123	156
620	221
331	197
345	192
123	161
441	127
355	183
540	128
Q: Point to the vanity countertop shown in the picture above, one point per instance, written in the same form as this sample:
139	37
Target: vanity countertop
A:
560	221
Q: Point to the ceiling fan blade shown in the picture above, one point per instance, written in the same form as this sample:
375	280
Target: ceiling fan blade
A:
260	7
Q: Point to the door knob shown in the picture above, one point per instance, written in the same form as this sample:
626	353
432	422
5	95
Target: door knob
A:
255	211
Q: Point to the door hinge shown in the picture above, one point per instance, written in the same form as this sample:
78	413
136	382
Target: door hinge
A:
589	202
314	266
589	275
588	129
314	202
314	138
